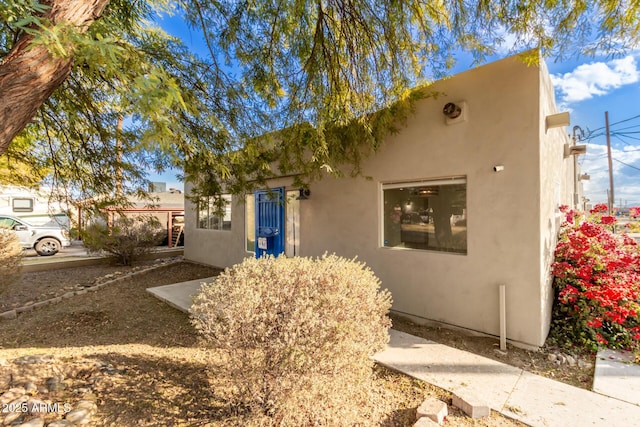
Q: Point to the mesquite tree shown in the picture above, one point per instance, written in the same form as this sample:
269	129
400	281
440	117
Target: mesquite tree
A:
333	74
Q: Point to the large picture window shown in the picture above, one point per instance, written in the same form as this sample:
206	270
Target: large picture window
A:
428	215
215	214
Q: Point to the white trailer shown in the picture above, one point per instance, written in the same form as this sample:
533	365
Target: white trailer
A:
34	206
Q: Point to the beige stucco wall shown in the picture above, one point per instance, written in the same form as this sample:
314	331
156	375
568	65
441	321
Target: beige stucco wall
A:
509	214
556	188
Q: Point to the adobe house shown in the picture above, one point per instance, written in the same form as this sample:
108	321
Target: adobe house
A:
463	200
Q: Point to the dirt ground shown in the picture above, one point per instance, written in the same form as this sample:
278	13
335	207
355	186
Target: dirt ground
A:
144	365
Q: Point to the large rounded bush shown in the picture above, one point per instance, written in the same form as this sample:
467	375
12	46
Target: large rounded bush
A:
298	334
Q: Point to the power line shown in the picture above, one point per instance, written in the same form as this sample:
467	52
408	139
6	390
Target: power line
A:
626	164
616	123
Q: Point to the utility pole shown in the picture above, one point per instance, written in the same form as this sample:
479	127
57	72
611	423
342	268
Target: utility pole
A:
611	197
575	165
118	177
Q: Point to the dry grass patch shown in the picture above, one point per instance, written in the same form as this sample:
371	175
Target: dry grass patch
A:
154	370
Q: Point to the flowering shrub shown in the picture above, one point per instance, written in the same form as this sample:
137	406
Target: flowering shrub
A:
597	283
297	336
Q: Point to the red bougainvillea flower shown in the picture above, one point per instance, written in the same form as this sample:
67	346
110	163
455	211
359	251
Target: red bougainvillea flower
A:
597	281
600	207
590	229
601	339
594	323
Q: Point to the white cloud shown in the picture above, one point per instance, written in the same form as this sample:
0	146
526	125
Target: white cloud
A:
596	79
595	163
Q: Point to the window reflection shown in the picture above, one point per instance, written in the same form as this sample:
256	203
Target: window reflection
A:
429	215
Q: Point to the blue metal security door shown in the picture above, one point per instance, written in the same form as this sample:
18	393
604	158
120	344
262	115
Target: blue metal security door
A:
269	222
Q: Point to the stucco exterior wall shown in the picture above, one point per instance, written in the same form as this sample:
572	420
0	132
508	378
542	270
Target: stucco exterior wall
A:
556	188
510	220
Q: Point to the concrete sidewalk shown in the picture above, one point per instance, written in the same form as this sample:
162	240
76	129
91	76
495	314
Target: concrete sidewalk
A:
532	399
179	295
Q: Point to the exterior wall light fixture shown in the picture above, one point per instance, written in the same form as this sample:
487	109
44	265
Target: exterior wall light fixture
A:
303	194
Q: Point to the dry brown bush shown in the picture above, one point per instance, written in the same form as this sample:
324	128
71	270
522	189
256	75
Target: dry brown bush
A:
10	258
127	240
298	334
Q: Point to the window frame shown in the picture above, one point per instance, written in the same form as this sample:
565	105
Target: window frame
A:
212	215
421	182
29	208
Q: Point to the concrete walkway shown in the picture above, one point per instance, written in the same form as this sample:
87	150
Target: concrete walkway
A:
179	295
532	399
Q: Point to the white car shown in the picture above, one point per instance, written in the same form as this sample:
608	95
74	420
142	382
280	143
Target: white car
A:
46	240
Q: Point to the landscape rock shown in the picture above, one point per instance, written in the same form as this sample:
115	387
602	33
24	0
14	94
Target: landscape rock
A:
30	388
12	394
78	416
471	405
11	417
433	409
36	422
11	314
425	422
54	384
60	423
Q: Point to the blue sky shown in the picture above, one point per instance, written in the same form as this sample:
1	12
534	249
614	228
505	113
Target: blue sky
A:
589	88
586	88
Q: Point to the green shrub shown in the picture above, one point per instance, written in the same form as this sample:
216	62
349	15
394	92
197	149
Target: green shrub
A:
298	334
10	258
127	239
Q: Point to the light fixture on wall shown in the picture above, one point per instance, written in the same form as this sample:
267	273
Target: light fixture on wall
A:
584	177
574	150
303	194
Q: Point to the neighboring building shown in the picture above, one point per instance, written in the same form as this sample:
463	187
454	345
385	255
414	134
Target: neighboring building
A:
166	206
456	207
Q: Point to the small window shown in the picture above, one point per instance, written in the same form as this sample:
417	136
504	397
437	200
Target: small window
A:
250	222
22	204
215	213
427	215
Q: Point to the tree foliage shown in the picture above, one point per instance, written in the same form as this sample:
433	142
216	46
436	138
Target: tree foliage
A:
333	74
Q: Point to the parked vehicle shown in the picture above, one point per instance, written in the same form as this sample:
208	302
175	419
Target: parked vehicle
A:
35	206
46	240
